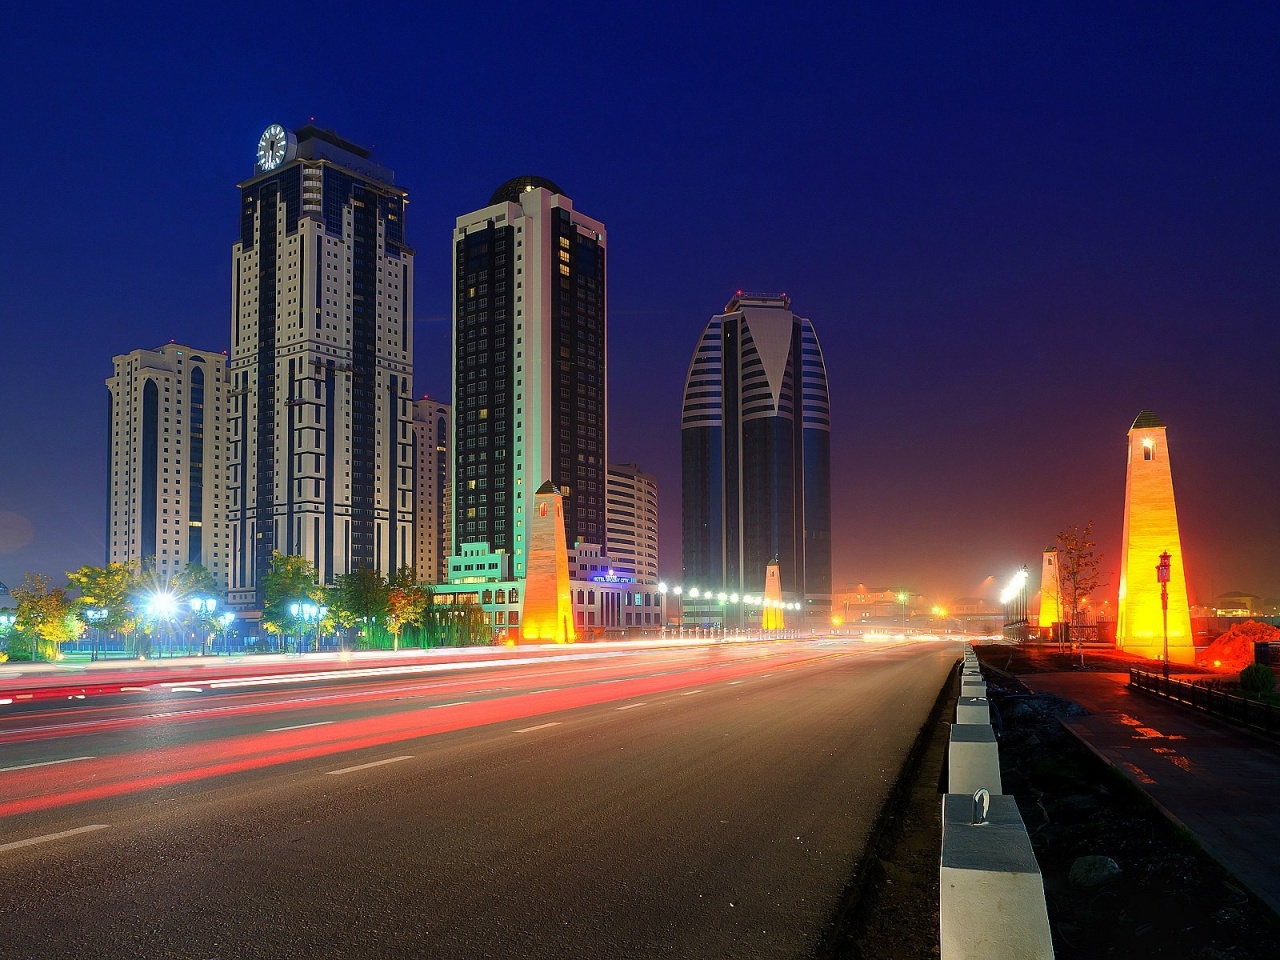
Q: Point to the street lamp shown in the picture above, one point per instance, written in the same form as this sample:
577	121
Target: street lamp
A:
226	619
203	608
95	616
162	606
308	613
7	620
902	599
1162	577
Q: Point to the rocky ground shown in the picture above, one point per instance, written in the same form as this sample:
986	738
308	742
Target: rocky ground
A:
1120	880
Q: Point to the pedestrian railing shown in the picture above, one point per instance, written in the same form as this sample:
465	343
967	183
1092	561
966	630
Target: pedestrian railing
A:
1254	714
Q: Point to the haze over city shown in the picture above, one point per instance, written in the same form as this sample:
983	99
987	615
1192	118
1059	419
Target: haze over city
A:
1011	228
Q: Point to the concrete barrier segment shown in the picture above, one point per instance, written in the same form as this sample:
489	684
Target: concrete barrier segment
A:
973	759
973	710
992	904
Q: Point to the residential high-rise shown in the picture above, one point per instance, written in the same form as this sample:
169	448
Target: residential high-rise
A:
167	420
529	347
321	363
1151	529
756	462
431	460
632	544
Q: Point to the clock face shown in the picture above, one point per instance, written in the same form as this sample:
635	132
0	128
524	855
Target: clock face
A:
273	147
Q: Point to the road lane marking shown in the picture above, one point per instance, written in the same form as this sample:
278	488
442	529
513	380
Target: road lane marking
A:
32	841
690	693
632	706
43	763
6	700
732	682
135	689
541	726
763	675
299	726
366	766
187	690
455	703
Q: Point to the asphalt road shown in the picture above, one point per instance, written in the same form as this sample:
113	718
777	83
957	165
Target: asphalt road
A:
687	803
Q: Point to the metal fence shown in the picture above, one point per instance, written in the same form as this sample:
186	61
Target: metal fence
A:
1254	714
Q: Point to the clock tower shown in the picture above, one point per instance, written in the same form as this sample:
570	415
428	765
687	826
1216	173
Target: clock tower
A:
321	411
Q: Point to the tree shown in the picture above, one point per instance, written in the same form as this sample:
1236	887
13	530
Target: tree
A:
46	617
290	579
406	602
1078	576
195	581
111	589
361	596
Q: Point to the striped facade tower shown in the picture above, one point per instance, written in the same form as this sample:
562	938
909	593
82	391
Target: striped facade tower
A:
756	457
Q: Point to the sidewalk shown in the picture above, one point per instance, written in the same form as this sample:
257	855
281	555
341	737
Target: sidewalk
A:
1221	784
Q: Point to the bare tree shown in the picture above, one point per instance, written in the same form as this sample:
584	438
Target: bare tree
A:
1078	576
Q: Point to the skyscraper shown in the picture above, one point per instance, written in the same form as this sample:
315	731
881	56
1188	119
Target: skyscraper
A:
529	344
431	460
632	544
756	462
167	416
321	363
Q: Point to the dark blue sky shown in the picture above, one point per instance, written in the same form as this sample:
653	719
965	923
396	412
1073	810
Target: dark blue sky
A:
1013	229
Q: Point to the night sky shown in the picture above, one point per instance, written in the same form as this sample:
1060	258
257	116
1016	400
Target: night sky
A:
1013	229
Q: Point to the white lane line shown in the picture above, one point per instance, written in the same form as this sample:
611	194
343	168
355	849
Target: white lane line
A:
690	693
763	675
43	763
541	726
366	766
6	700
32	841
632	706
455	703
732	682
187	690
135	689
299	726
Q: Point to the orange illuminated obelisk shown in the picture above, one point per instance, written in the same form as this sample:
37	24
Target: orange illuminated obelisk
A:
772	617
1050	604
1150	529
547	616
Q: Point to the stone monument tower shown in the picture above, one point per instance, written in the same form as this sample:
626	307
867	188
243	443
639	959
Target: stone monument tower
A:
1150	529
548	605
1050	598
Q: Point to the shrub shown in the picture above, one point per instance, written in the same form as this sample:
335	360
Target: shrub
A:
1257	679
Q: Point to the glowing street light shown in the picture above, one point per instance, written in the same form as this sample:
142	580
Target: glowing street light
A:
1162	577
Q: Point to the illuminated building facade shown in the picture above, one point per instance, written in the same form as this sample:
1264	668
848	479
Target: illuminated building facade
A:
529	347
167	496
756	461
321	363
431	436
1150	529
1050	597
632	516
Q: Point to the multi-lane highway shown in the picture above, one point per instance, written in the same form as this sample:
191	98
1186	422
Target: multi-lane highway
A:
581	802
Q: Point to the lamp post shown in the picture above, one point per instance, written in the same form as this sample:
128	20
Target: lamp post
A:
225	619
7	620
1162	577
902	599
308	613
203	608
95	616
